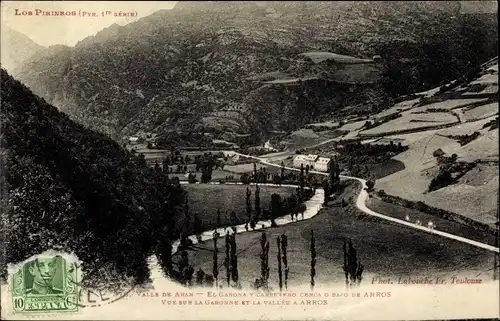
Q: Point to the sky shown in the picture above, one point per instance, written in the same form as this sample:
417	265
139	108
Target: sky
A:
68	30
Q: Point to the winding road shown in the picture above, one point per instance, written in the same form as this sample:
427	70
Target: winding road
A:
360	204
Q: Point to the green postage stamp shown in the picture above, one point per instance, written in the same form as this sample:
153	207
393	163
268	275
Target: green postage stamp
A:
45	284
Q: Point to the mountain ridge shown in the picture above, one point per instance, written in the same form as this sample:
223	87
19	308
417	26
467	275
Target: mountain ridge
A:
162	70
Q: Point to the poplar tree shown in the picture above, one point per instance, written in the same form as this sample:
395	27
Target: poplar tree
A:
280	273
234	260
257	203
215	268
284	246
264	260
249	204
227	262
313	259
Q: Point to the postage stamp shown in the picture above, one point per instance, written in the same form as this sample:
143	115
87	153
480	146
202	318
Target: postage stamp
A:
46	284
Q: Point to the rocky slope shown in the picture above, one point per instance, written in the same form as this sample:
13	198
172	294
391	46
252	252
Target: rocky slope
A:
16	48
236	68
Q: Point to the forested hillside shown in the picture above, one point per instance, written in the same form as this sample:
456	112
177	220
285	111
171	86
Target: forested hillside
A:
205	66
72	189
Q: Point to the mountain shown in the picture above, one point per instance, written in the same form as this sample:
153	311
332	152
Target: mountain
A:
239	68
16	48
72	189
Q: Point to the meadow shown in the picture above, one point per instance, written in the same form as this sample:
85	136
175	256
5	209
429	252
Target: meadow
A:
385	250
204	200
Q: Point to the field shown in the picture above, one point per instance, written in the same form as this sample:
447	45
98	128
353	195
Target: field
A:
477	201
401	106
303	138
485	147
444	225
353	126
465	128
411	182
411	121
248	168
483	111
327	124
204	200
216	175
453	103
385	250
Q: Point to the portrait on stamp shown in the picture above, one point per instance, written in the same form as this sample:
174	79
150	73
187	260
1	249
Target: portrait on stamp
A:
45	284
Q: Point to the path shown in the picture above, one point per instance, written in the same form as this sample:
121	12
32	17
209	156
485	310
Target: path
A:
360	204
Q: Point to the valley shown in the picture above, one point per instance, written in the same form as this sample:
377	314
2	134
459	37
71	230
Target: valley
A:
258	146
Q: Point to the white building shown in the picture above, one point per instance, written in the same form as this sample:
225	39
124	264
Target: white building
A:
133	140
304	160
269	147
323	164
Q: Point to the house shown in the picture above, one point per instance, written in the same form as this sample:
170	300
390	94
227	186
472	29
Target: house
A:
304	160
269	147
323	164
133	140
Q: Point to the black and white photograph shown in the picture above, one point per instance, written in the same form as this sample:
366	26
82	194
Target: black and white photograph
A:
249	160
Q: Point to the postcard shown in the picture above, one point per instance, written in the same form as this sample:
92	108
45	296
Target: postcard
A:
249	160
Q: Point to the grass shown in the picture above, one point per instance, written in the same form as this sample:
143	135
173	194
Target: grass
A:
454	103
466	128
485	148
385	250
216	175
404	122
401	106
247	168
413	181
444	225
480	112
204	200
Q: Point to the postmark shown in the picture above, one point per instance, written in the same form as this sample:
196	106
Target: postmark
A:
45	284
100	286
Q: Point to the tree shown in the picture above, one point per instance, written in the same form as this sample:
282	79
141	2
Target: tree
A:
301	176
215	267
219	223
264	261
353	269
370	185
255	176
284	247
334	175
301	209
227	259
192	178
186	270
257	203
233	218
245	179
187	219
326	189
248	202
275	208
280	273
200	276
234	260
313	259
282	173
206	168
198	224
292	201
